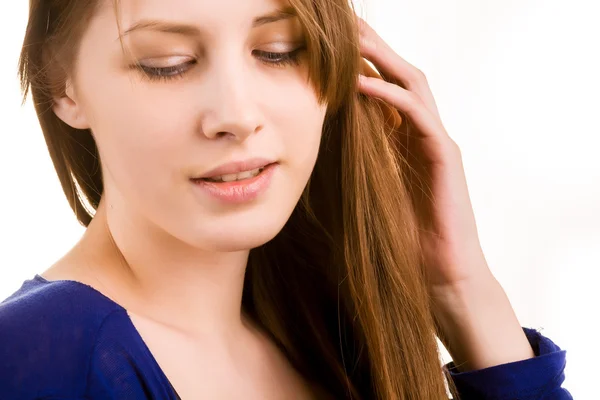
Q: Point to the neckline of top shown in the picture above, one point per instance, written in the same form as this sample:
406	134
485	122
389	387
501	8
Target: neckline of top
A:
41	279
78	283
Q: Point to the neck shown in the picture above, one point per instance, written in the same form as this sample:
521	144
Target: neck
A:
153	274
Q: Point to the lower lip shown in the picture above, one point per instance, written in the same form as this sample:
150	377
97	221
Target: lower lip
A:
237	192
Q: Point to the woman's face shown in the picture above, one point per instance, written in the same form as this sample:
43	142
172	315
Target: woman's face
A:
212	95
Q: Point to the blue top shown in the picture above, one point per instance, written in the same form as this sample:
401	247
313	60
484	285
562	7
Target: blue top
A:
64	340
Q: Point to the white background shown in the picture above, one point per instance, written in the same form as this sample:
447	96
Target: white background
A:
517	84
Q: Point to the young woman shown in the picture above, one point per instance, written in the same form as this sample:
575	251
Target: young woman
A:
267	217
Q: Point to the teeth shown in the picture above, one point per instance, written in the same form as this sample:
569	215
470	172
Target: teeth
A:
236	177
227	178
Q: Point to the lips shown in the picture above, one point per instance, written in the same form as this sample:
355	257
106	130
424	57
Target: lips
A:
239	191
236	167
235	177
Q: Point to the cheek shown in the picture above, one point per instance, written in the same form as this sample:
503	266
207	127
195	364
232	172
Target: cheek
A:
299	122
139	142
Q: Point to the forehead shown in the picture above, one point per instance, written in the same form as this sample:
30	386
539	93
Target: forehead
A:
209	15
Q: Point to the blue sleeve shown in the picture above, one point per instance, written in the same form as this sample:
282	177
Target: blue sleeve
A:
537	378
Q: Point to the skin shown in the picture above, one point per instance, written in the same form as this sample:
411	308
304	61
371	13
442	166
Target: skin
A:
173	258
166	255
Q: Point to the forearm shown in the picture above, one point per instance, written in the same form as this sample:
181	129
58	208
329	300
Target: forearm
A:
479	326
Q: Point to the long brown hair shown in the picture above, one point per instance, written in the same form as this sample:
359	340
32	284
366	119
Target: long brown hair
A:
341	288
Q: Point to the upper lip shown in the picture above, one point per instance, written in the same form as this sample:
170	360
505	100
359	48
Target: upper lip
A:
236	167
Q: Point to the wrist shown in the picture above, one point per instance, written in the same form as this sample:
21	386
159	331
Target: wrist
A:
478	325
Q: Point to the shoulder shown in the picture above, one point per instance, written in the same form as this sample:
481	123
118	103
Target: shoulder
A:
49	331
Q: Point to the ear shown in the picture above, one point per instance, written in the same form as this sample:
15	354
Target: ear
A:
69	110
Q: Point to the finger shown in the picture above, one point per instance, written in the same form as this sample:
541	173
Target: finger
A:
391	114
428	126
394	68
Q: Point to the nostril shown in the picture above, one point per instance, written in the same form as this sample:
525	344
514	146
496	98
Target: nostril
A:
221	134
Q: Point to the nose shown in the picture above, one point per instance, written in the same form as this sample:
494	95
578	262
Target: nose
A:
231	109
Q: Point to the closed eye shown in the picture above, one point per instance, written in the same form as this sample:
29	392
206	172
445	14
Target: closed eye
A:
281	59
177	71
166	72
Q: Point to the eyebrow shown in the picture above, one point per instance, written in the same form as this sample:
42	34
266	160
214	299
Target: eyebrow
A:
192	30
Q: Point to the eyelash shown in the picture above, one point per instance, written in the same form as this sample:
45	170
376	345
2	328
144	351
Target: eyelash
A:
177	71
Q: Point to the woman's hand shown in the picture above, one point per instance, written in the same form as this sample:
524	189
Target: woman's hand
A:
478	324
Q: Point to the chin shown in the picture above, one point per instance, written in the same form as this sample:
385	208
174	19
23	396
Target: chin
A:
242	230
233	244
240	237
